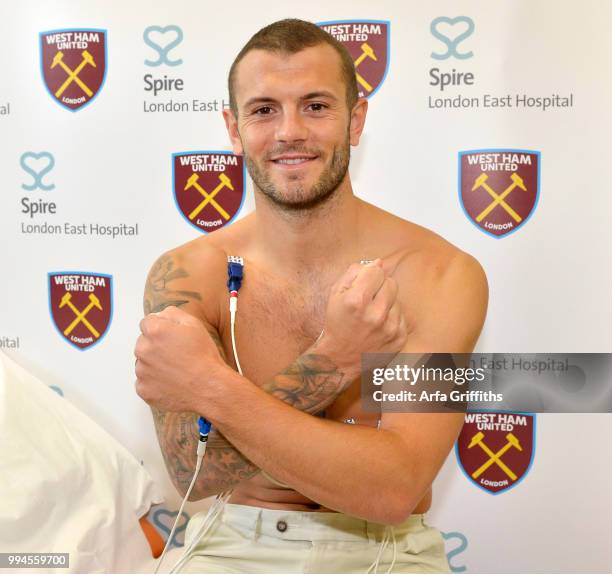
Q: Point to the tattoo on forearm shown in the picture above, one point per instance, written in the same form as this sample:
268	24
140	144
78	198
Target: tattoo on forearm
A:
224	466
158	294
177	436
309	384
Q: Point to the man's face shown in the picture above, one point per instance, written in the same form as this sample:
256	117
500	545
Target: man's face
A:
293	124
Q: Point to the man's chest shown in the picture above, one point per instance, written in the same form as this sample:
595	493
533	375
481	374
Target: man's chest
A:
274	327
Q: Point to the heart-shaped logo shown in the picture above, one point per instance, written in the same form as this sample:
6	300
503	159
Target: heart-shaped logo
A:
37	165
166	39
163	520
452	31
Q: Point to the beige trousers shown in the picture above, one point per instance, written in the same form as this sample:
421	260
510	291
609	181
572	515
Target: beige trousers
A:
252	540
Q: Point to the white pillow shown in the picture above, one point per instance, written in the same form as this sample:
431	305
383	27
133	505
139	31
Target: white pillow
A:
65	484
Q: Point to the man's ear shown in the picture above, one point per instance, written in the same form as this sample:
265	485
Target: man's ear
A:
232	129
358	116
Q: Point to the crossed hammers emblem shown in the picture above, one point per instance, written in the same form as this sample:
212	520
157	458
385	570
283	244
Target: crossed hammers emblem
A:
73	75
495	457
81	316
481	181
209	197
366	52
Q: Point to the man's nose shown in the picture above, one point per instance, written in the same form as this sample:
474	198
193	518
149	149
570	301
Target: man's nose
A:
291	127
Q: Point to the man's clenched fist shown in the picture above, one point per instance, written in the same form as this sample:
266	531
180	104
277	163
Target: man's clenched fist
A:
176	359
363	315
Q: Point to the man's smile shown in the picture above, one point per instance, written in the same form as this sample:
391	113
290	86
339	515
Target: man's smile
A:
293	161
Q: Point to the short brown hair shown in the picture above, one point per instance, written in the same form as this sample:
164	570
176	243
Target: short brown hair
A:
289	37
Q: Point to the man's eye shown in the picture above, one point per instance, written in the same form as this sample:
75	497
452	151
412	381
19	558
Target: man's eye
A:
265	110
317	107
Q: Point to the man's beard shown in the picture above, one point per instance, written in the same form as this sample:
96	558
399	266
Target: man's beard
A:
298	198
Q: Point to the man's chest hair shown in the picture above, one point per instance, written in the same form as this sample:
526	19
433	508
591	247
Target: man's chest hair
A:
287	316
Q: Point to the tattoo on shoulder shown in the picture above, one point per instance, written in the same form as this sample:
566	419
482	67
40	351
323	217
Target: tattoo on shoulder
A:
159	294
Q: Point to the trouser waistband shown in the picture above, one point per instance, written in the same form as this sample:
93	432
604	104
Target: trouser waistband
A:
311	526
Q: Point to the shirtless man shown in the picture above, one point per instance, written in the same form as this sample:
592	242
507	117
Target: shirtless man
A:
307	490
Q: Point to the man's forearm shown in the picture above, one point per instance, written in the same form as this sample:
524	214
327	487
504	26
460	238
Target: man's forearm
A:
223	465
327	461
309	384
177	437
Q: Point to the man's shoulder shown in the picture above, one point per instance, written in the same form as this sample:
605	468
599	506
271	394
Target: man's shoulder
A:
192	276
203	255
414	249
435	259
447	299
206	255
432	273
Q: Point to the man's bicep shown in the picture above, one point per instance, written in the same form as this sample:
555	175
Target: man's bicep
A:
450	322
452	314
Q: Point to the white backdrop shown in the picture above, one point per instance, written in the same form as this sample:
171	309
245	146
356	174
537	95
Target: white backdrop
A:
110	163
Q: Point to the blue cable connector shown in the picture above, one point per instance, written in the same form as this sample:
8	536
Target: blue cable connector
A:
234	273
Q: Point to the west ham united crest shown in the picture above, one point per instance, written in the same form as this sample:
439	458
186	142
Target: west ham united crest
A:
208	187
81	306
495	449
73	64
367	41
499	188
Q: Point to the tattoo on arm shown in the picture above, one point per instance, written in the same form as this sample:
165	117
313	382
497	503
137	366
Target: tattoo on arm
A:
177	433
158	294
178	437
309	384
224	466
